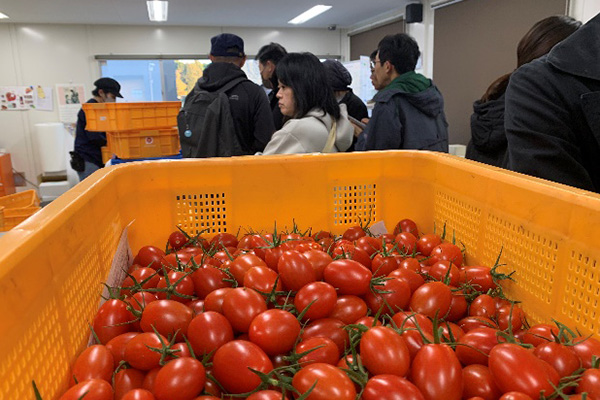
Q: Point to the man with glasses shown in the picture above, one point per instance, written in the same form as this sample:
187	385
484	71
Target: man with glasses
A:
409	109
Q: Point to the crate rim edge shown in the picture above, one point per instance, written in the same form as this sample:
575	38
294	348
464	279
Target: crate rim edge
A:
33	228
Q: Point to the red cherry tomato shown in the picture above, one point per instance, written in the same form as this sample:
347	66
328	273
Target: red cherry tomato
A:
232	364
93	389
516	369
275	331
319	297
437	372
95	362
208	331
329	382
348	276
241	305
432	299
322	350
391	387
383	351
180	379
167	317
349	308
479	382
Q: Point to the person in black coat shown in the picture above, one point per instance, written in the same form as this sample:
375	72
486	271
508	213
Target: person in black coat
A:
339	80
87	150
553	112
268	56
488	137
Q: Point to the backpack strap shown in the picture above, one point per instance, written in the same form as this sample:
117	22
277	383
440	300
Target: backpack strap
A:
331	138
231	84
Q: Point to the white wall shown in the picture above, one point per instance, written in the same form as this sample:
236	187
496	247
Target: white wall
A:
584	10
44	54
423	34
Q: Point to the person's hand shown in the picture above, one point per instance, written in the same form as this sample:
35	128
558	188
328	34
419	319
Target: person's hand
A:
357	129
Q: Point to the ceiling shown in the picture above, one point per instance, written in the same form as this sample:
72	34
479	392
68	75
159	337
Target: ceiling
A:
238	13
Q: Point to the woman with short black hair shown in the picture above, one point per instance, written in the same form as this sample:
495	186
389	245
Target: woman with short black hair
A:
314	120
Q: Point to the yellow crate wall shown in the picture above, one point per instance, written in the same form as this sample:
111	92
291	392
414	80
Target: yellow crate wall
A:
52	265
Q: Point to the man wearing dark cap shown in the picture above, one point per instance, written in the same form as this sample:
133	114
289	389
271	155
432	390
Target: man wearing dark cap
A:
87	155
268	56
252	120
339	79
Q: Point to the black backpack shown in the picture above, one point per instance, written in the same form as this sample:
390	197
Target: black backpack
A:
205	124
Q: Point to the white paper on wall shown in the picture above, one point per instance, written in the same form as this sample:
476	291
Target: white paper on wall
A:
69	97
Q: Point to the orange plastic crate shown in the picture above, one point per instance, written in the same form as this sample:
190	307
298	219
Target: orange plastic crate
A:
105	117
52	266
26	198
16	208
143	144
14	216
106	154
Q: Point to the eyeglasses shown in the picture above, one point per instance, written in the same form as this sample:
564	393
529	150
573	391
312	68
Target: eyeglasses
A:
374	62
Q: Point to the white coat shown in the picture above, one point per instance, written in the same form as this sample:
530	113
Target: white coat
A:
309	134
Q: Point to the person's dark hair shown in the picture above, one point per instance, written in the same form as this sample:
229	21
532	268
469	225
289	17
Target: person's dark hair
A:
373	55
539	40
271	52
401	50
305	74
96	92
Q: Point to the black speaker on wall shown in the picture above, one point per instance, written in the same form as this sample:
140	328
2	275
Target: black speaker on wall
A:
414	13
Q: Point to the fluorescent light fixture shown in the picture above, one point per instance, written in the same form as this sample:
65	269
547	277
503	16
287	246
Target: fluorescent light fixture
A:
157	10
3	16
310	14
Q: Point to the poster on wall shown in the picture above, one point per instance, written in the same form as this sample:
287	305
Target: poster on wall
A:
361	78
69	97
44	98
14	98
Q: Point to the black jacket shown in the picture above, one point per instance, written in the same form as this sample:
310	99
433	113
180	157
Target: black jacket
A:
356	108
88	144
488	138
249	105
553	112
401	120
275	110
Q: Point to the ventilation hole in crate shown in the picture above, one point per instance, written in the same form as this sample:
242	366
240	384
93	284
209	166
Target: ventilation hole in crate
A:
461	219
582	289
77	305
37	355
355	204
202	212
532	255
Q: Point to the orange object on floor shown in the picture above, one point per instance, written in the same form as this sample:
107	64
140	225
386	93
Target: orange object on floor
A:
7	182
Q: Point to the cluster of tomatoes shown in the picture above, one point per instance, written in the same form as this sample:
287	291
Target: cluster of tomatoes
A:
301	316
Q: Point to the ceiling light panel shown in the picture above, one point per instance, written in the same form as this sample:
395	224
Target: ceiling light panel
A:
309	14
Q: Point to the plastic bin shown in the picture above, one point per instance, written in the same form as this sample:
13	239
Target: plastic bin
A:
104	117
117	160
106	154
14	216
26	198
144	143
15	208
52	265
